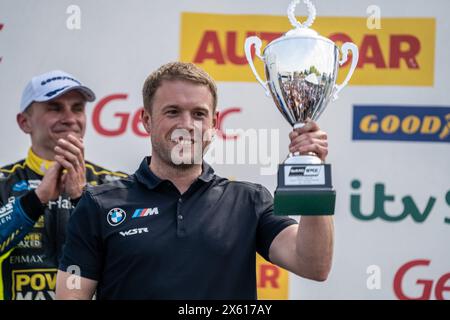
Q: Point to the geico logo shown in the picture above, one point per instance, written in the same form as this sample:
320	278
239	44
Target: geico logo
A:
222	115
404	47
133	232
122	116
442	283
410	124
120	120
35	281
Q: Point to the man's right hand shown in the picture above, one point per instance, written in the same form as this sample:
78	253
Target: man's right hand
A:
50	186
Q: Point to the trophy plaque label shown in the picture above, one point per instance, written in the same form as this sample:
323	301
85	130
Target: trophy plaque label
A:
304	175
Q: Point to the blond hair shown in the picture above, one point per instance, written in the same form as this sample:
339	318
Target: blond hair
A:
177	71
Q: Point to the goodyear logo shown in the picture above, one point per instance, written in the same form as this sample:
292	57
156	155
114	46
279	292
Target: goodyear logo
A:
403	123
34	284
401	53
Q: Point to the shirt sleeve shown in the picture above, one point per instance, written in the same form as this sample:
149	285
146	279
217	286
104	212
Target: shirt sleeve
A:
17	219
83	246
269	225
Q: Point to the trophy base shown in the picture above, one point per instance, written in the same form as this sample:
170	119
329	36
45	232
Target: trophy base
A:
305	190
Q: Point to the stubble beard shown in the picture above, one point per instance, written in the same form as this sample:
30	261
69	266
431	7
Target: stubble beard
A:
182	163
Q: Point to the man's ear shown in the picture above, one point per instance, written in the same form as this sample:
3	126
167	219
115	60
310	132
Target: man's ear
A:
146	120
216	120
23	120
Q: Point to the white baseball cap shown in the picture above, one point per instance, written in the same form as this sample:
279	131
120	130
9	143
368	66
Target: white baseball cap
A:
51	85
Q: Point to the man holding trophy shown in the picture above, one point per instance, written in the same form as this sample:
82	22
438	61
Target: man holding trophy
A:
176	230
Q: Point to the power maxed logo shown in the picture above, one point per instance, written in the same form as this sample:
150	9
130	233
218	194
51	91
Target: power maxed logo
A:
402	123
34	284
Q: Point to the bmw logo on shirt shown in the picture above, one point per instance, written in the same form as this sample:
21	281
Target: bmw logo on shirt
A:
116	216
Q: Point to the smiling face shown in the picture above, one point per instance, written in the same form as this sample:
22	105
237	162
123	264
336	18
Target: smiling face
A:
180	122
46	122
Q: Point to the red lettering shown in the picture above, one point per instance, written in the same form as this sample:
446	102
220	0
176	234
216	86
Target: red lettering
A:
220	120
370	52
270	36
442	284
408	55
231	49
398	279
210	39
135	124
268	276
402	47
339	39
441	287
122	116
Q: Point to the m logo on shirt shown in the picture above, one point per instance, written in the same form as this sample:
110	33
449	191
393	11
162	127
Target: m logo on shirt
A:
138	213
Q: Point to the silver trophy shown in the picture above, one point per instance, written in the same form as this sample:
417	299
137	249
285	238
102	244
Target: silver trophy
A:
301	69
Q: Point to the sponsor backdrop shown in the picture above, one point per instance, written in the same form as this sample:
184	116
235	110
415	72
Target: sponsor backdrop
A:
389	132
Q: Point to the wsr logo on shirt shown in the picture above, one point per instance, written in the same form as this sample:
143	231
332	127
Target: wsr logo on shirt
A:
132	232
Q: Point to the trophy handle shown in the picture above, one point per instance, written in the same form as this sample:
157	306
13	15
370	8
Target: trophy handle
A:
249	42
346	47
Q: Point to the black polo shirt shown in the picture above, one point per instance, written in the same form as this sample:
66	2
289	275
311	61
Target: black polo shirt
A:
141	239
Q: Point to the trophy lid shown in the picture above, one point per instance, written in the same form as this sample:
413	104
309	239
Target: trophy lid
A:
301	30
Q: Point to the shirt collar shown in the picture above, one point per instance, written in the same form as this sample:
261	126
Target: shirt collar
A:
146	176
36	163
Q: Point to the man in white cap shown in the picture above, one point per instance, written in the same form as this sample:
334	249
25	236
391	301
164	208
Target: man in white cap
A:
38	193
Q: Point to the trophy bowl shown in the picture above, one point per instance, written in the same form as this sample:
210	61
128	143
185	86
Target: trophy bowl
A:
301	74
